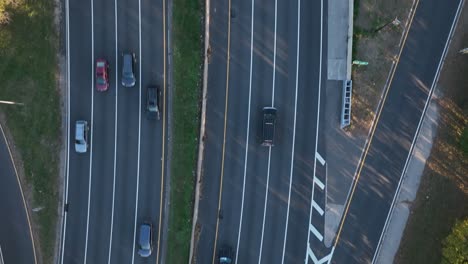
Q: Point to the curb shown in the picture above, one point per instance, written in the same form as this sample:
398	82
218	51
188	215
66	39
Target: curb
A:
201	144
350	39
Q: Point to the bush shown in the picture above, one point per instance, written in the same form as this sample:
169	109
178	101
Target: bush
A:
455	249
464	141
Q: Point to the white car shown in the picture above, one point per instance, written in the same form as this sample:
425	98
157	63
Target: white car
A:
81	136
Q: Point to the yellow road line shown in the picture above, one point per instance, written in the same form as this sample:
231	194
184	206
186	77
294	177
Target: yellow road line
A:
28	217
224	133
163	131
371	137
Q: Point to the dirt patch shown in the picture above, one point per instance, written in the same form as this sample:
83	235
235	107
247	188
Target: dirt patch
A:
443	194
378	28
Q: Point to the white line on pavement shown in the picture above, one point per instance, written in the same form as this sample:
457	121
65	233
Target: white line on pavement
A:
67	166
248	132
319	157
115	132
1	256
315	232
139	131
429	97
294	128
91	140
317	128
269	148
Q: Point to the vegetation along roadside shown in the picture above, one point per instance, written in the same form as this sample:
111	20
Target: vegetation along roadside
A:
187	25
28	46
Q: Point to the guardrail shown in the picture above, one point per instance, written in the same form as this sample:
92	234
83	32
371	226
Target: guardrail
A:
346	107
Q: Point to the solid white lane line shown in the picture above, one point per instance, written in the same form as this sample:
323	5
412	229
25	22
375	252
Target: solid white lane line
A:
265	206
139	131
115	132
426	105
248	132
92	130
1	256
269	148
316	180
67	164
294	128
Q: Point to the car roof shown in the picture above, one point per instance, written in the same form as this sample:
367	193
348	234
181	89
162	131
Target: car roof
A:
145	236
80	128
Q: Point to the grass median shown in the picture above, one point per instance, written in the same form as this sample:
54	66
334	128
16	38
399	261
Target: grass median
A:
28	45
187	16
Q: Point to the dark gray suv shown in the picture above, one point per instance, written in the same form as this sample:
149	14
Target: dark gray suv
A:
128	76
152	102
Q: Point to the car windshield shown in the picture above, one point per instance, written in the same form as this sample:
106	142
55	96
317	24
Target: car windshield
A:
100	80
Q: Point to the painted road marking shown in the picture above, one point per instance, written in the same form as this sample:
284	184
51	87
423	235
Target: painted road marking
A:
315	232
269	148
320	159
91	140
67	162
319	183
115	132
317	207
294	129
228	59
434	81
316	180
248	129
139	133
163	132
310	254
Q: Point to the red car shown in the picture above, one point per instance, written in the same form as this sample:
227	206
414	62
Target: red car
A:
102	76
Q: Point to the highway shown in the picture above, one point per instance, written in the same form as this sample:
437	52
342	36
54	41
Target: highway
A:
257	199
16	239
393	138
118	183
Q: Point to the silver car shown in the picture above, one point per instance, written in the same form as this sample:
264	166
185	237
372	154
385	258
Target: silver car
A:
146	240
128	76
81	136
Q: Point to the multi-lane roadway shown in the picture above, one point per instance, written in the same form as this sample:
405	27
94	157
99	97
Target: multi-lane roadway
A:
257	199
118	183
267	203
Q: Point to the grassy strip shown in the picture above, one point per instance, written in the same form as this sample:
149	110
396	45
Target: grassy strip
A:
27	70
187	70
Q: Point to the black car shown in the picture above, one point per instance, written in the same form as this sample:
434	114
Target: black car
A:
225	255
269	121
152	102
128	76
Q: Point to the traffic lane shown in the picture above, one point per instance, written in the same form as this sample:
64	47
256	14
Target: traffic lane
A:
81	86
15	237
237	122
394	133
214	125
276	211
102	180
257	159
306	130
128	128
152	73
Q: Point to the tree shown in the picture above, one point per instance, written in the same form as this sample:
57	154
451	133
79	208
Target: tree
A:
5	7
455	250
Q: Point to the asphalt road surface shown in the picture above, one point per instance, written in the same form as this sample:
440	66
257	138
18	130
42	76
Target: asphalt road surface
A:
118	183
16	245
394	134
257	199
